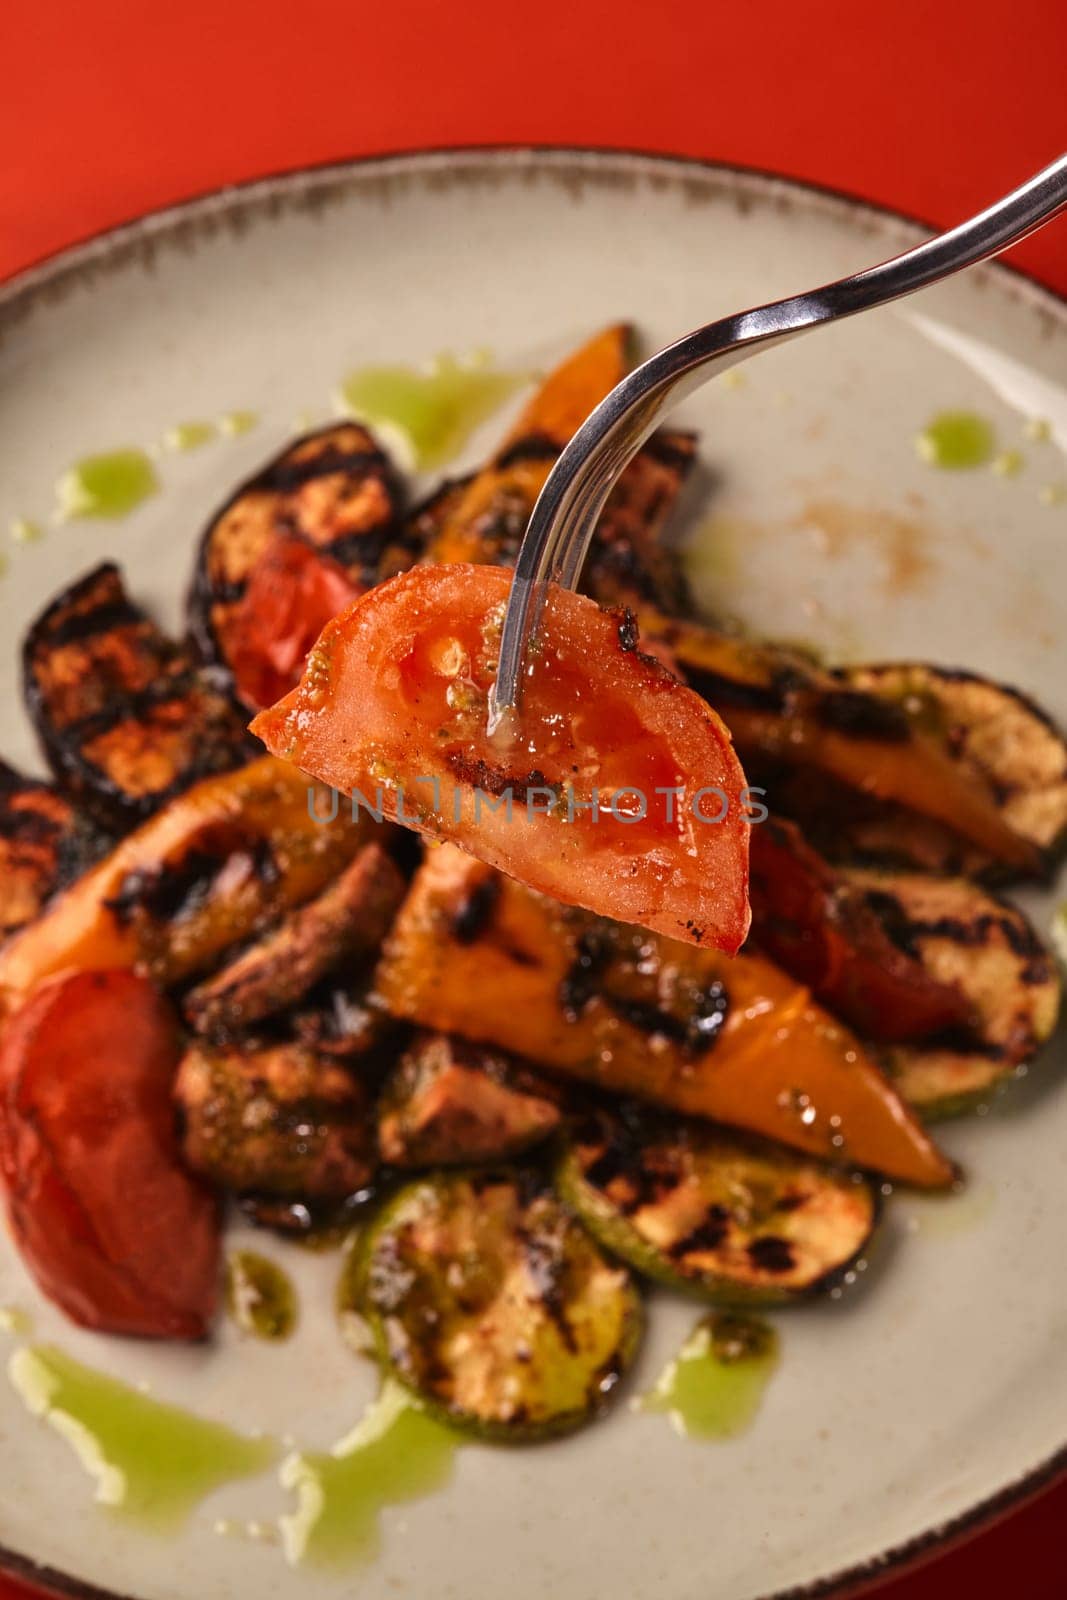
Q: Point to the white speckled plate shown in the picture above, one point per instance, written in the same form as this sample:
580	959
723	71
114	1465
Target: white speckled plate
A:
900	1411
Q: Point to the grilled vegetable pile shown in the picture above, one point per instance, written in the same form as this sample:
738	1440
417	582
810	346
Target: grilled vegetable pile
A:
221	982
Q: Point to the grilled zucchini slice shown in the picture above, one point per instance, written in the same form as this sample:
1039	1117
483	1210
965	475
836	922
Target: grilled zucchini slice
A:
450	1102
275	1119
334	489
493	1304
999	738
966	936
737	1221
44	843
124	719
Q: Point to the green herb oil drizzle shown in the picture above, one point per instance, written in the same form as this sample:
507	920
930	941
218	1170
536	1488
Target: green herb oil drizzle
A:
435	410
152	1462
714	1386
956	440
259	1296
109	485
396	1453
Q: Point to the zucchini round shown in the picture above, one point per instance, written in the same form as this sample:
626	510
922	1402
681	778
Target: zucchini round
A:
489	1301
732	1219
966	936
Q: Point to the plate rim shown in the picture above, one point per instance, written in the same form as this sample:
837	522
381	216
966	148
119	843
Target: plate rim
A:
39	282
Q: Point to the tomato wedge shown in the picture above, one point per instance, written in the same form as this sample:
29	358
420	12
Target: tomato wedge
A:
614	788
112	1226
292	593
824	933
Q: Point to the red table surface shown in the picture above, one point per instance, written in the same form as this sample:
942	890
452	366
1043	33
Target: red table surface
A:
112	107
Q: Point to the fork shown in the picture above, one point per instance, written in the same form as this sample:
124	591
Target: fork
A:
557	537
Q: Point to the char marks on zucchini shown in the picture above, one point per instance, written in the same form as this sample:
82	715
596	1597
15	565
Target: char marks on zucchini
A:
125	720
735	1219
966	936
489	1301
996	734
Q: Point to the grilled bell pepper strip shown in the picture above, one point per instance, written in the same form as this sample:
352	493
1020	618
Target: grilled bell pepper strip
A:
522	463
224	858
779	706
735	1040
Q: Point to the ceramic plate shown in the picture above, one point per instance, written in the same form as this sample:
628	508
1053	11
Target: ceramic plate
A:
940	1381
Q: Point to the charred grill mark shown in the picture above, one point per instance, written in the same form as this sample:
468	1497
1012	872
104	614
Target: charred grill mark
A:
179	889
672	449
545	1266
628	634
532	447
772	1254
721	690
282	477
79	626
862	716
478	774
708	1236
475	912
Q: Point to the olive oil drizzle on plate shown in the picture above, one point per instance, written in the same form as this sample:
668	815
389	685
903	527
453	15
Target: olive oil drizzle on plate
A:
395	1453
153	1462
714	1386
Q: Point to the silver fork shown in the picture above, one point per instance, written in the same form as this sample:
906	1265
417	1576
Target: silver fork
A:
557	539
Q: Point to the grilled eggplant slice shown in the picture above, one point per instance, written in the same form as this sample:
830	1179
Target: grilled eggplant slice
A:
222	861
783	709
333	490
449	1102
477	954
345	923
44	843
963	935
822	930
489	1301
275	1119
124	719
735	1220
1000	739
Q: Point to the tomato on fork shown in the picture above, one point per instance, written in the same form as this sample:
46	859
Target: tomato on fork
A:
614	787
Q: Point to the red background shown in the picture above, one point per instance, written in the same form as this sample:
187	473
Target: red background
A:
110	107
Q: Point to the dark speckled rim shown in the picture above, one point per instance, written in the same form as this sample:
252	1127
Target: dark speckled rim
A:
313	188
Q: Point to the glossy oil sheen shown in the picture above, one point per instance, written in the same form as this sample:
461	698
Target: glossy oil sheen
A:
151	1461
956	440
435	410
714	1386
259	1296
396	1453
110	485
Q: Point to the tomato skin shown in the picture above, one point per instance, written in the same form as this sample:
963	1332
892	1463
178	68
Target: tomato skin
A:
291	595
806	920
111	1225
395	697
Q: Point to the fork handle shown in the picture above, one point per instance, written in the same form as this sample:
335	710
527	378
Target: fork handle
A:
558	535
